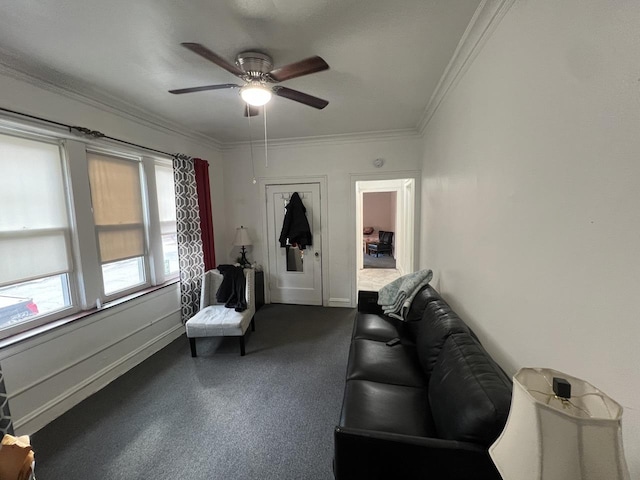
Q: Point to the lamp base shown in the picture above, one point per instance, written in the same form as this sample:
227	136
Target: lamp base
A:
243	259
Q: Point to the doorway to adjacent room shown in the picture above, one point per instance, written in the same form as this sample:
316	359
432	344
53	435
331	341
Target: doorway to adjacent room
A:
385	217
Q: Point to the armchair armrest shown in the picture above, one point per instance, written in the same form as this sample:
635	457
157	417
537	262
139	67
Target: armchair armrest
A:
250	289
371	455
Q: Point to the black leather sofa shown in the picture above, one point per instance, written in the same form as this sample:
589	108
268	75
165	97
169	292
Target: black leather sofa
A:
427	407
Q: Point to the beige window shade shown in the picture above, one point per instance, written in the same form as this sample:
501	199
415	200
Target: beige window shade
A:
116	197
121	243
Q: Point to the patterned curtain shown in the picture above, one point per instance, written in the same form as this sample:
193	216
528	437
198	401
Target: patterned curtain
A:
6	424
190	254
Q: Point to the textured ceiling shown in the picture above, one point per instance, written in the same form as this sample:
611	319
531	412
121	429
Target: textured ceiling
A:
386	57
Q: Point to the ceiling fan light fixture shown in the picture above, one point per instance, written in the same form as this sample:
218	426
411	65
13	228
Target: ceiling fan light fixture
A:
255	94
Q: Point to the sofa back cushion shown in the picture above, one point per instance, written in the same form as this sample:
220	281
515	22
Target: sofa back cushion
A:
469	394
437	324
426	295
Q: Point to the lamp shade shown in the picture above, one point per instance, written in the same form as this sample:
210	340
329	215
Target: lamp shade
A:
242	238
550	438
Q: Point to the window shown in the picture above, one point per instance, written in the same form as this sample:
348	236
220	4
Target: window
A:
167	208
34	231
78	227
116	198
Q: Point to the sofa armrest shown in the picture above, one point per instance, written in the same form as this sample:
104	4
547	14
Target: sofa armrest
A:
368	302
371	455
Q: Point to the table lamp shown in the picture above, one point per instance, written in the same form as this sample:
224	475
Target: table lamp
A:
242	239
560	428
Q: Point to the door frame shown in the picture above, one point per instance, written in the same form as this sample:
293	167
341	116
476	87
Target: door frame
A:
354	242
324	235
404	256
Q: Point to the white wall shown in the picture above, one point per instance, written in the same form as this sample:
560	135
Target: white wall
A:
337	160
48	374
379	210
531	194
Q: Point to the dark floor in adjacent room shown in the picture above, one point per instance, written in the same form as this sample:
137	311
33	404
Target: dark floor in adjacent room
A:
268	415
382	261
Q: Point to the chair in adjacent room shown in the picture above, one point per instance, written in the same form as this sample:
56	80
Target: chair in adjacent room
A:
216	320
384	244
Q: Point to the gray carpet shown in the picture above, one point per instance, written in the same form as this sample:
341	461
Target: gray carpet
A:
383	261
268	415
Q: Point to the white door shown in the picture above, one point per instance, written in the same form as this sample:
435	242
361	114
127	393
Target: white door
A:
295	276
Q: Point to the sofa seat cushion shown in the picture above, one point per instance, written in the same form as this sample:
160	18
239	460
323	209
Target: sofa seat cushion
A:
387	408
469	394
375	327
438	323
378	362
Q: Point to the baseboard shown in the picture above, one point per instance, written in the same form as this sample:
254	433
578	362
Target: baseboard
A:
340	302
51	410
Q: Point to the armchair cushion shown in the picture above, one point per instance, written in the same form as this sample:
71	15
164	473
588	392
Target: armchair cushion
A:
218	321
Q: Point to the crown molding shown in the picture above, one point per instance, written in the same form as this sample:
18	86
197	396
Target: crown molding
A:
483	23
337	139
110	104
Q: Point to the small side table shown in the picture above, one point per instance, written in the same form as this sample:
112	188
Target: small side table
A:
259	293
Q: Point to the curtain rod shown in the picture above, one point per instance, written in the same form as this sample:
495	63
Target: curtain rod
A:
93	133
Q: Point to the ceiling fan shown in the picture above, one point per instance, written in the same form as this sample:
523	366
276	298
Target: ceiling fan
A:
256	69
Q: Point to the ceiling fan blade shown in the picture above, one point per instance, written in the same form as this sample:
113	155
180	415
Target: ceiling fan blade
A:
250	110
298	69
202	89
213	57
297	96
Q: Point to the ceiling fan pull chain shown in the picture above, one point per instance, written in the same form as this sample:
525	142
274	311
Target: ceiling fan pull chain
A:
253	168
266	157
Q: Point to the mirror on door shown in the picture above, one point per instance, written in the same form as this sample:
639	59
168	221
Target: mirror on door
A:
295	259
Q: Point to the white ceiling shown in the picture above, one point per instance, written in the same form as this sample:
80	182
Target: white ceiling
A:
386	57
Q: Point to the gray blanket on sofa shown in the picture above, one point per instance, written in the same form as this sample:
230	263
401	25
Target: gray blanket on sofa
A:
396	297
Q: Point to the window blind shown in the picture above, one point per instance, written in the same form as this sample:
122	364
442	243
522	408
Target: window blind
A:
33	214
166	198
116	197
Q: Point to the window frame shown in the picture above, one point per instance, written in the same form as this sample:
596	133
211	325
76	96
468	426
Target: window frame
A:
162	163
71	278
145	200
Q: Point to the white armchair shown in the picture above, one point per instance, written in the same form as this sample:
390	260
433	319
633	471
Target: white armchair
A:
214	319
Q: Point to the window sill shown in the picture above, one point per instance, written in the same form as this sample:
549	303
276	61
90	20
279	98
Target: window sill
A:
55	324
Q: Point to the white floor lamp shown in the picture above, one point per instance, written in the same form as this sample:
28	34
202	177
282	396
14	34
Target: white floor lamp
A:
560	428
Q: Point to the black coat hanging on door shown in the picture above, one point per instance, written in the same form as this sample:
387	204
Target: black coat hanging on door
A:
295	226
